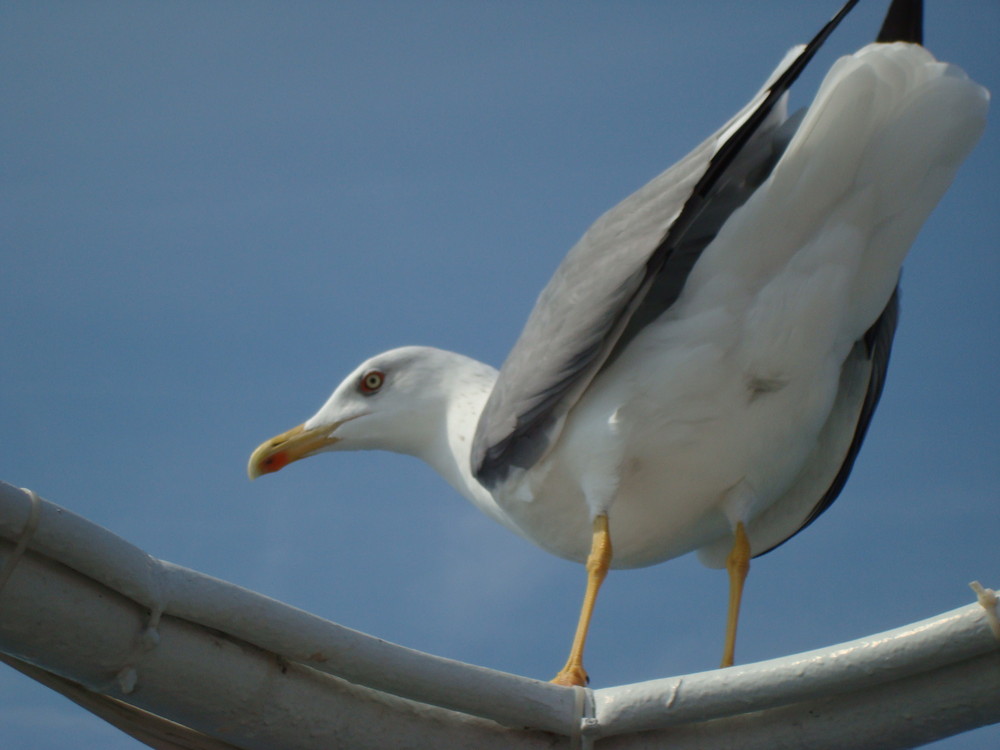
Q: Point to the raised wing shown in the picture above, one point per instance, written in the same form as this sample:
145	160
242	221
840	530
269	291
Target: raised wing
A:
862	379
625	271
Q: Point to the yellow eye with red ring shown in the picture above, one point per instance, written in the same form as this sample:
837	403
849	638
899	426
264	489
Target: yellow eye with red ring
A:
371	381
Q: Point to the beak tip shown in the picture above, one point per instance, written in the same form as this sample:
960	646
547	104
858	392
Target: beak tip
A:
275	454
266	461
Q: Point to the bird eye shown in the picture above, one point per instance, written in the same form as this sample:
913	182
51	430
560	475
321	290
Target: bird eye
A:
371	381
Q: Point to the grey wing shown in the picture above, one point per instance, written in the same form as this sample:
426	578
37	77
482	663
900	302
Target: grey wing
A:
575	323
627	269
828	466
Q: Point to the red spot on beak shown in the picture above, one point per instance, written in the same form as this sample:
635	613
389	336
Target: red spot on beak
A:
275	462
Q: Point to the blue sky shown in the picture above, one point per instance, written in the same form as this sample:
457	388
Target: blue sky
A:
213	210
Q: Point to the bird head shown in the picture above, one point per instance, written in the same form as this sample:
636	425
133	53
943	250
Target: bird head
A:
394	401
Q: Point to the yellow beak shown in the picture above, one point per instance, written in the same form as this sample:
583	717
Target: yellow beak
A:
276	453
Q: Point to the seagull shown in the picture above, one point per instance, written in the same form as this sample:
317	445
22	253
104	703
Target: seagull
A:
701	370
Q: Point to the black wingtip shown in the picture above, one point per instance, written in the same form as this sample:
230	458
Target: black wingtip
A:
903	23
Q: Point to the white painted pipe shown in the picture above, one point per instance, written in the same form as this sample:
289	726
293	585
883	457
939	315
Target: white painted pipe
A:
237	669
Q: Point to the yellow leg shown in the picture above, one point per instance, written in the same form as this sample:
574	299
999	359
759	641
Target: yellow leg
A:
598	563
738	565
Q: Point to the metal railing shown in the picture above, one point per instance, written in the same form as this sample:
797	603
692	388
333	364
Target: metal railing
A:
179	659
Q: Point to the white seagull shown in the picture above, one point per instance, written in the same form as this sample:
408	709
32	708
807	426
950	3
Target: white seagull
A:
700	371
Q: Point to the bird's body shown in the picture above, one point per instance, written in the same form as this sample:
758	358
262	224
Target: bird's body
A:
710	413
723	382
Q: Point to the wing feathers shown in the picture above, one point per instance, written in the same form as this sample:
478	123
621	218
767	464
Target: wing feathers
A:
642	248
826	471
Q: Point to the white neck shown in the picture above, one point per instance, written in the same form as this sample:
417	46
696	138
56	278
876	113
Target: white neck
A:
449	449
